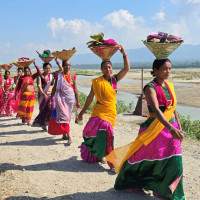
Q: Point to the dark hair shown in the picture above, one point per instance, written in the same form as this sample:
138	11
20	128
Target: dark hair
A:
106	62
64	61
19	68
45	64
27	68
5	73
157	63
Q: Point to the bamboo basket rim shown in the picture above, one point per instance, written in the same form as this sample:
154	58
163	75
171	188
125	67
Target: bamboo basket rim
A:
6	67
64	54
22	64
103	56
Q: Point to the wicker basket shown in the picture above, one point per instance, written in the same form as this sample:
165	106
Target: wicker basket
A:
22	64
105	52
6	67
45	59
162	50
64	54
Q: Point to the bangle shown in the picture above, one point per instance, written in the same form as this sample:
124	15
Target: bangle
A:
170	129
124	56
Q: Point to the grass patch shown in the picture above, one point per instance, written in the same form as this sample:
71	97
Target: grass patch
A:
190	128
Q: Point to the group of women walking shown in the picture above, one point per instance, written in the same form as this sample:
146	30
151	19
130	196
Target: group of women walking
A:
152	162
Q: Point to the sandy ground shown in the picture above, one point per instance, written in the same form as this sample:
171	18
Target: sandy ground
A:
35	165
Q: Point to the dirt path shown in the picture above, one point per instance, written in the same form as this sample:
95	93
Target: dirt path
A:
35	165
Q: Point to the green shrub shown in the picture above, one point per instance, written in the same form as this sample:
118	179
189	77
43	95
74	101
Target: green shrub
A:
190	128
121	107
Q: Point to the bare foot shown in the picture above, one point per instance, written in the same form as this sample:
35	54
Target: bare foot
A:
65	137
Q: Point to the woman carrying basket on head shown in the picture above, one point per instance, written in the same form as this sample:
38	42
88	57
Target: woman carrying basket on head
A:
8	88
154	160
27	95
45	84
16	80
1	90
98	133
65	91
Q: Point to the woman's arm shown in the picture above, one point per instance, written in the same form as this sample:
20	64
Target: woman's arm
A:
151	96
126	68
38	71
87	104
76	94
59	65
39	83
54	88
177	119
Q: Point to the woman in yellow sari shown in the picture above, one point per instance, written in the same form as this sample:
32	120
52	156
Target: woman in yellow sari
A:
98	133
154	160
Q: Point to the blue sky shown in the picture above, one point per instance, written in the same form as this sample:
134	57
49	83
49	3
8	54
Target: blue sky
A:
27	26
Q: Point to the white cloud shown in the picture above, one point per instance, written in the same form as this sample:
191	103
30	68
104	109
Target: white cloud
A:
160	16
193	1
122	18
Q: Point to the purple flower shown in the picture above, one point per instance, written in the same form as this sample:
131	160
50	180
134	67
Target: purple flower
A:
110	41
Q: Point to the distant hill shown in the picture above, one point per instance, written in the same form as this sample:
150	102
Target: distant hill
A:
188	53
139	57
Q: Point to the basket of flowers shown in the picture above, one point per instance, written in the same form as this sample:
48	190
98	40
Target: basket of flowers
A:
6	67
46	56
23	62
64	54
162	44
103	48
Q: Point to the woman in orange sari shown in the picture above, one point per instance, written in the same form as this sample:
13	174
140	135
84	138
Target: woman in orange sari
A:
27	96
154	160
98	133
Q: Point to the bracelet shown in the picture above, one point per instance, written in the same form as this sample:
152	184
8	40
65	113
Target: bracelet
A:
124	56
170	129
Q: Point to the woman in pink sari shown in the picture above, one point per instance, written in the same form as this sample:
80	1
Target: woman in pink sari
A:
8	95
65	91
153	161
1	90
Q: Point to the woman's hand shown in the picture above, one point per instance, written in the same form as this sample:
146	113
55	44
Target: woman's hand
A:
176	133
80	116
45	96
122	50
78	105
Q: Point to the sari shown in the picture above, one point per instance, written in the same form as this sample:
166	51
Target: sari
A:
16	78
64	100
8	99
154	160
1	92
45	108
27	98
98	133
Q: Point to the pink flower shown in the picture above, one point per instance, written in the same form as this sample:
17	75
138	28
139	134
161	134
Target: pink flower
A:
110	41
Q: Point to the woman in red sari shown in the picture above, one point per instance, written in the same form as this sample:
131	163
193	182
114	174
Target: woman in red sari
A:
8	95
16	80
27	96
